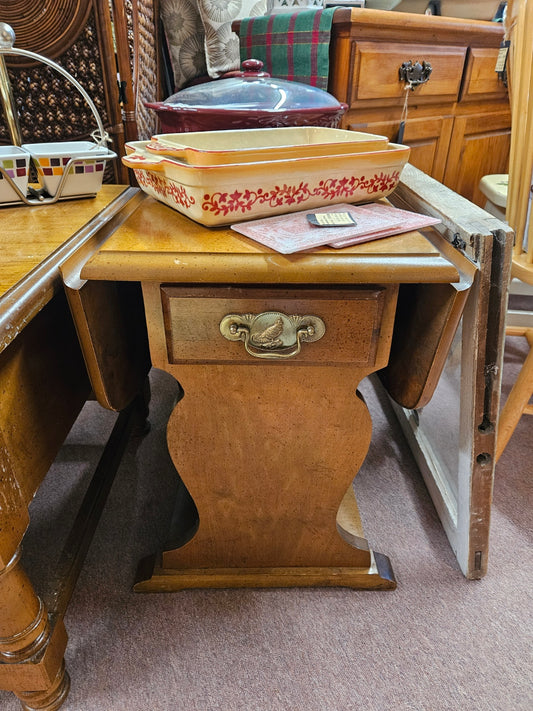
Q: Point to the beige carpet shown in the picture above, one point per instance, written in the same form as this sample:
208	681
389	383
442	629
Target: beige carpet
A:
437	643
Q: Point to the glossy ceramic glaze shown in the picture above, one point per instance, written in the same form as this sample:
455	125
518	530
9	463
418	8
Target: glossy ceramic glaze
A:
228	193
219	147
85	172
249	98
14	164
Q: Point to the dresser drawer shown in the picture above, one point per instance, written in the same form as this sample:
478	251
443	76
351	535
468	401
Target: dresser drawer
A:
376	68
481	79
352	320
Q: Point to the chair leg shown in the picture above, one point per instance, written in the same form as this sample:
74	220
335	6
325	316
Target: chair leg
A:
517	402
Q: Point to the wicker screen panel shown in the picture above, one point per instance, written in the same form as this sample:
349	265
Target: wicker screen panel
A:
93	40
130	12
44	27
145	78
50	108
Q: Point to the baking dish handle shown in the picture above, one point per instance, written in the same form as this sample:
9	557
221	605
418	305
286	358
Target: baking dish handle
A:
160	149
137	161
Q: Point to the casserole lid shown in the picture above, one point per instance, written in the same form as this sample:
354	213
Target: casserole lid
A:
250	90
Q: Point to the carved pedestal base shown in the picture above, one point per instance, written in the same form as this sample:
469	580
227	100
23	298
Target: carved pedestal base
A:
267	454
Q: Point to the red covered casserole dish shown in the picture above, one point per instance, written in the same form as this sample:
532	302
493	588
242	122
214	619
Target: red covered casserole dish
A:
248	98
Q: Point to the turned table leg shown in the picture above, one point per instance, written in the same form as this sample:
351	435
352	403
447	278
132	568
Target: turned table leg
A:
26	636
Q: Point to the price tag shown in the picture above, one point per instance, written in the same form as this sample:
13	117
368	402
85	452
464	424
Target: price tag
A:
331	219
501	62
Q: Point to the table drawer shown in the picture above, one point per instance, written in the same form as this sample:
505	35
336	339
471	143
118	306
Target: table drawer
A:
266	322
376	69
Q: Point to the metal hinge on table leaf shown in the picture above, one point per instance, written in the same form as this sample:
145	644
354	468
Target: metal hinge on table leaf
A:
458	242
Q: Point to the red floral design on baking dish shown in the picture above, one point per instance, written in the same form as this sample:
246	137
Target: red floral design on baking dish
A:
165	188
330	189
227	203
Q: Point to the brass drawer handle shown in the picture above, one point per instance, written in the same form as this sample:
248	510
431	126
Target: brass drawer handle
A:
272	334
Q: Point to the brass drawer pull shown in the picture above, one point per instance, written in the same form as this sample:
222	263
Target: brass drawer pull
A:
272	334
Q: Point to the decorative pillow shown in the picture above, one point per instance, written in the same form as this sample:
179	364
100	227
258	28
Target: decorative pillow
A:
221	43
185	36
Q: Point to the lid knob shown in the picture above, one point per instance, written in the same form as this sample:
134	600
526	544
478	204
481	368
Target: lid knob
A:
249	68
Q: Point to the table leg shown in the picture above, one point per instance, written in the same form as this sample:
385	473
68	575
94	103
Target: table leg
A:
268	454
26	636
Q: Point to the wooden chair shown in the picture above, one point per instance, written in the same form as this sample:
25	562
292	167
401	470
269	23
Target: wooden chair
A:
519	205
517	403
519	323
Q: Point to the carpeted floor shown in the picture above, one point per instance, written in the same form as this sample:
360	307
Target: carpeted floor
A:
437	643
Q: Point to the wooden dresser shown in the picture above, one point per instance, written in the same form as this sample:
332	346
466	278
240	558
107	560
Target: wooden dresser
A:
458	122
